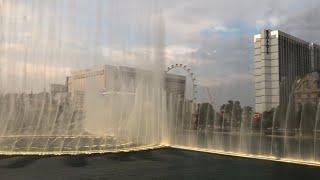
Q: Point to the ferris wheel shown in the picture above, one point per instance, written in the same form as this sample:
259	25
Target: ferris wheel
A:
189	72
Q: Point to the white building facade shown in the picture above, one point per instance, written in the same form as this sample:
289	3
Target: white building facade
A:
109	78
266	60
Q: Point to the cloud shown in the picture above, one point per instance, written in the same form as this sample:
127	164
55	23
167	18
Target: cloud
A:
220	36
223	29
17	47
304	24
227	80
213	37
17	76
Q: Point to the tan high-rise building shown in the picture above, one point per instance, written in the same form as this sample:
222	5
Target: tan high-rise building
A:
279	60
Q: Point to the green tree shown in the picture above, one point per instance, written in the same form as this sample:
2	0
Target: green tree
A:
236	114
226	110
232	113
267	119
206	115
247	116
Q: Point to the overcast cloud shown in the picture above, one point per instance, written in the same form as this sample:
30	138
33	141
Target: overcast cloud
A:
220	34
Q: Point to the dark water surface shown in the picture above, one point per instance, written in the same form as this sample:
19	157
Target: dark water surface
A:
154	164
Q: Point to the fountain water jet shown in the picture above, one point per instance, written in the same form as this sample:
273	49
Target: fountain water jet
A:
100	111
274	118
63	42
315	133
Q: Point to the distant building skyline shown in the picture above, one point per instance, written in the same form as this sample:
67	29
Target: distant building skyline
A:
108	78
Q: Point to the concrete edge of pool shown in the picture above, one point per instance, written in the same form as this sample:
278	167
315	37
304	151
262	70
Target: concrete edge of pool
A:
153	147
58	153
266	158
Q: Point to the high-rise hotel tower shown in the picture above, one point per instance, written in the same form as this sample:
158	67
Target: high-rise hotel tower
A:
279	60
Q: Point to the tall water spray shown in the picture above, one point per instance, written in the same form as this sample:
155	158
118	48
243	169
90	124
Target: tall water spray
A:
81	76
88	77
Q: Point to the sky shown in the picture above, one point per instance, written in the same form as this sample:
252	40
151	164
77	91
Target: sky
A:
213	37
219	37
